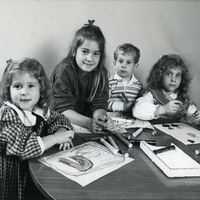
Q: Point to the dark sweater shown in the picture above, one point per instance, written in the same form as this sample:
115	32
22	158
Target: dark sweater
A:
71	90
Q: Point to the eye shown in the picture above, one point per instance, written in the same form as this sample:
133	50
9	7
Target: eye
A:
97	54
169	74
179	75
31	85
17	86
129	62
120	61
85	52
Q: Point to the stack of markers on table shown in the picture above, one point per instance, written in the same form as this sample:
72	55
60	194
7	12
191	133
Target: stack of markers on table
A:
122	142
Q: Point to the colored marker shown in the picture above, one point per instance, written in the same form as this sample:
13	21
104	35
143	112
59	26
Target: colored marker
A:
110	139
165	149
136	133
122	149
197	151
126	142
152	142
110	147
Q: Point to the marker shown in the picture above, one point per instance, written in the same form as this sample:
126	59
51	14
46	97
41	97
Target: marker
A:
124	140
125	135
152	142
110	147
122	149
110	139
192	141
93	138
165	149
197	151
136	133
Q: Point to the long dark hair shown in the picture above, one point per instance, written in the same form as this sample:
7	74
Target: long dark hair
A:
93	33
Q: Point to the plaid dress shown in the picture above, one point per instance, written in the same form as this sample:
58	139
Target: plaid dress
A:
19	142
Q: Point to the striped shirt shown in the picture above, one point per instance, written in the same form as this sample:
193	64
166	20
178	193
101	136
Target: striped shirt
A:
121	92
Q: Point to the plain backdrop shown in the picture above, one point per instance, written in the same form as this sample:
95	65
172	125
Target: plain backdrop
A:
43	29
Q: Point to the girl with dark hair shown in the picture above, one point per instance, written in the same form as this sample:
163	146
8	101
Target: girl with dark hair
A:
80	81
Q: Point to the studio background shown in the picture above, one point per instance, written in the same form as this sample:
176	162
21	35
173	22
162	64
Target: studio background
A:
43	29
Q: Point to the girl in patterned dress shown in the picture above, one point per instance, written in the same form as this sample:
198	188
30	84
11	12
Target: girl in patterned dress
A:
28	126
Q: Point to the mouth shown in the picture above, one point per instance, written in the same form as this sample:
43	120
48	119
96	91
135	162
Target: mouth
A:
24	100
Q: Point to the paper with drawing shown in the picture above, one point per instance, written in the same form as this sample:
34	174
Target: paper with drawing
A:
85	163
182	132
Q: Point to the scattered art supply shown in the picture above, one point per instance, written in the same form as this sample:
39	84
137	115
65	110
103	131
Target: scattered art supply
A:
110	139
164	149
123	150
197	151
136	133
110	147
125	141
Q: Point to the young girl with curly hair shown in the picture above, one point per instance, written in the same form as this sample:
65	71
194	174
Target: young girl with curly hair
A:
166	98
28	126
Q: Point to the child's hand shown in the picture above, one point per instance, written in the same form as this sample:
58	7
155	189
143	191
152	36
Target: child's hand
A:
64	138
197	117
172	108
102	122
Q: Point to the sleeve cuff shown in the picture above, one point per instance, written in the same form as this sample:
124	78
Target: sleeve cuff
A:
41	143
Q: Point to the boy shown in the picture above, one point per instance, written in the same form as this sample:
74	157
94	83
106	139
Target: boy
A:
124	88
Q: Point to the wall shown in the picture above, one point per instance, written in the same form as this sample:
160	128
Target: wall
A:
44	30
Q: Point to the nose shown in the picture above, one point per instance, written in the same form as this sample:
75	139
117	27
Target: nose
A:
89	57
173	78
24	91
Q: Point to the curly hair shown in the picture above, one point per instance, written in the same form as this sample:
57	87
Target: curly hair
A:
34	69
154	79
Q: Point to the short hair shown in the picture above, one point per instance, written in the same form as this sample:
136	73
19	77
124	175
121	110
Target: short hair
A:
128	48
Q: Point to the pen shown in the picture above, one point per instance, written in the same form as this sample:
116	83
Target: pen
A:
136	133
125	141
110	139
110	147
164	149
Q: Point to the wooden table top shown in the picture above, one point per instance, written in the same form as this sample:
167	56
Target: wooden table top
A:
140	179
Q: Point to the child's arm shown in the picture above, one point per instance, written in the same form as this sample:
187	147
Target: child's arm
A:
145	107
59	137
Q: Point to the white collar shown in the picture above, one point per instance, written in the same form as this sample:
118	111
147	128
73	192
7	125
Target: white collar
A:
27	118
133	79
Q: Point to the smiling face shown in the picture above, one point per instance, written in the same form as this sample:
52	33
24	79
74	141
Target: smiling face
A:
125	65
25	91
171	79
88	56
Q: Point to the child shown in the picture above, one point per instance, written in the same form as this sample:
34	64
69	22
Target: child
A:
80	81
166	98
28	126
124	87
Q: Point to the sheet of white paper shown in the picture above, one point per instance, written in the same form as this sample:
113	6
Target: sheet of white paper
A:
85	163
183	132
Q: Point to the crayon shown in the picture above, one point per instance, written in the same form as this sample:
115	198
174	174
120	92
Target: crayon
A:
110	147
165	149
110	139
126	142
136	133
